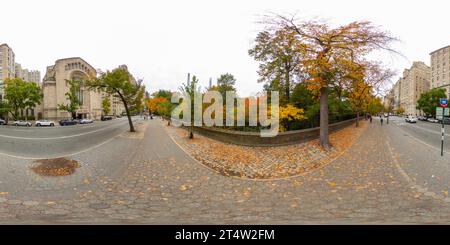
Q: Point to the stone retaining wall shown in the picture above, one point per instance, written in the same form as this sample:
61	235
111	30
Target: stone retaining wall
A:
254	139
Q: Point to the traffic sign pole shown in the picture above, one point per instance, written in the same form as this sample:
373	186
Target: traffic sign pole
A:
444	104
443	134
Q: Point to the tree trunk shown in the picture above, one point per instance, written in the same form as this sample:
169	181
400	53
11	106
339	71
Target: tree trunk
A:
288	86
130	122
324	139
357	119
191	132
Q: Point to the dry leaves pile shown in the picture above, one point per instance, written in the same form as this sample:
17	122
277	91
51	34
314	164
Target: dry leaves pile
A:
265	162
55	167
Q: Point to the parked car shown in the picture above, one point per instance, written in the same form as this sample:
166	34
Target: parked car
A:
22	123
411	119
432	120
106	118
44	123
446	121
67	122
422	118
86	121
2	122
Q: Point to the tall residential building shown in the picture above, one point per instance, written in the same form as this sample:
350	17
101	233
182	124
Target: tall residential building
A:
26	75
396	91
414	82
34	76
440	69
7	65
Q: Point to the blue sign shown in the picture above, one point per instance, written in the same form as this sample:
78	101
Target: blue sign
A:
443	102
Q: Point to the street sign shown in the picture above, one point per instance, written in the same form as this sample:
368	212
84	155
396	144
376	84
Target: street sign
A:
443	102
440	110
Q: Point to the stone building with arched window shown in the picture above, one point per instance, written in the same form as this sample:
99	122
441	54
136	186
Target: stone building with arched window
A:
55	87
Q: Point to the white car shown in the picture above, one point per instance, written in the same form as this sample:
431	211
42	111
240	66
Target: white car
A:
411	119
432	120
2	122
22	123
86	121
44	123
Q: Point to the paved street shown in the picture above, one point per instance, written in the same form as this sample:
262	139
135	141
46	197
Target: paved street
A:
147	178
426	132
52	142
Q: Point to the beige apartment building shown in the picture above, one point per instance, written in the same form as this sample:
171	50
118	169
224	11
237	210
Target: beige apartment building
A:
10	69
440	69
28	75
7	65
55	87
414	82
396	93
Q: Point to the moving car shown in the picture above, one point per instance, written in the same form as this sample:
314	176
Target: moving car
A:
2	122
86	121
67	122
432	120
22	123
106	118
411	119
46	123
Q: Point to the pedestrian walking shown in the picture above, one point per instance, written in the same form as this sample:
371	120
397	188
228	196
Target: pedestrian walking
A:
381	120
370	118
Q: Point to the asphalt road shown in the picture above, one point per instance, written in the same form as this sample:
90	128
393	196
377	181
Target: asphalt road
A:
425	132
39	143
417	148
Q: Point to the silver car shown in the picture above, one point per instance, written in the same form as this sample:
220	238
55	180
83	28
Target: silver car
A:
22	123
2	122
86	121
42	123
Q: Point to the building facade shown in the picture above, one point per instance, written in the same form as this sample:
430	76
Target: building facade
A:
27	75
7	66
55	87
440	69
415	81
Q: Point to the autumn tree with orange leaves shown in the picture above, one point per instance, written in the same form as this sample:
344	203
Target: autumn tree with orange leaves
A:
326	56
365	82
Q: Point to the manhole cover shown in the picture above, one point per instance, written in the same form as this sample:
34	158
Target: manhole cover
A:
101	205
55	167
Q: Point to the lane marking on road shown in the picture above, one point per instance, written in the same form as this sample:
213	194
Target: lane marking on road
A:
22	130
425	129
64	137
411	182
422	142
66	155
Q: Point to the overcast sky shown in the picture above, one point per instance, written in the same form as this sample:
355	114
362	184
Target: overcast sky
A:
161	41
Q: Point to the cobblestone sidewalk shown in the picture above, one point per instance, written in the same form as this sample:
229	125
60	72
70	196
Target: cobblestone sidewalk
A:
162	185
265	163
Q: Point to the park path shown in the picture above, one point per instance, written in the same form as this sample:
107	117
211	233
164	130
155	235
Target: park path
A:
161	184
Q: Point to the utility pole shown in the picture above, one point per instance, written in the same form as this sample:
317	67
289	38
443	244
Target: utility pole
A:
188	79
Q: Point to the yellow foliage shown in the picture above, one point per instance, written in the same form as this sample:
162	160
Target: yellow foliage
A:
290	113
